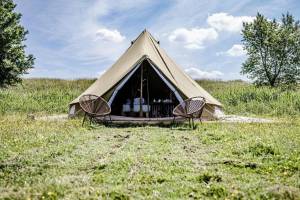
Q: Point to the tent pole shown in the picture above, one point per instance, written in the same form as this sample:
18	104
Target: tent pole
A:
141	91
148	98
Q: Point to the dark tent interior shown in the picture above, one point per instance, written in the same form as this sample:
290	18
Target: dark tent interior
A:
158	100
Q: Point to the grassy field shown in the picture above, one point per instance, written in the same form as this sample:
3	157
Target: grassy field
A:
62	160
44	96
41	96
245	99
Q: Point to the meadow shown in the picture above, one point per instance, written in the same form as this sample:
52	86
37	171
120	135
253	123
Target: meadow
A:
63	160
49	96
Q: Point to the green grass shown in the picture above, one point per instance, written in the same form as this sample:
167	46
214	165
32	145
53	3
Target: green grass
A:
62	160
243	98
50	96
41	96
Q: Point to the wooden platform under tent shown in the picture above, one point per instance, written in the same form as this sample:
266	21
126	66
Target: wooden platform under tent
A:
115	119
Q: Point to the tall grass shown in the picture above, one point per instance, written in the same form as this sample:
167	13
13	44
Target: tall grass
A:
242	98
41	95
54	95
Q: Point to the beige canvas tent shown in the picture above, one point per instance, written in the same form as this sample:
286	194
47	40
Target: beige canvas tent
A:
145	70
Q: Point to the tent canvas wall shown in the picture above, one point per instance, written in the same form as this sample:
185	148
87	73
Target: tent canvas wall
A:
145	49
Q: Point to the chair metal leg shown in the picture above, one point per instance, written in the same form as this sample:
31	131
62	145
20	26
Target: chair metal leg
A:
193	125
173	121
104	120
109	122
83	119
190	122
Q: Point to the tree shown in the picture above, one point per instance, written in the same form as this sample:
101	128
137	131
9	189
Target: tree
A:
273	50
13	60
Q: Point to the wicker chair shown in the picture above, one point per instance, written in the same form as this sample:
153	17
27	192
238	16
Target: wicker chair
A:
190	108
94	107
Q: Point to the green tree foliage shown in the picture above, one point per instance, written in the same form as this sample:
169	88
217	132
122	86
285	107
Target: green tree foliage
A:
13	60
273	50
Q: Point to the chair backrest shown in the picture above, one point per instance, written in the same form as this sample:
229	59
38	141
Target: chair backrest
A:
192	106
94	105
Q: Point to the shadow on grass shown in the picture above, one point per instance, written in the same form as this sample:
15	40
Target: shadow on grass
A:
182	126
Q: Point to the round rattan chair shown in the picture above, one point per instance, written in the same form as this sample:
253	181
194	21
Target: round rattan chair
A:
190	108
94	107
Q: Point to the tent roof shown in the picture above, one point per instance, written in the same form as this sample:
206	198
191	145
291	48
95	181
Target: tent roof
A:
145	46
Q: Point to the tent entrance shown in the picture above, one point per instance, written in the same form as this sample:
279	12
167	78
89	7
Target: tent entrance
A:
144	93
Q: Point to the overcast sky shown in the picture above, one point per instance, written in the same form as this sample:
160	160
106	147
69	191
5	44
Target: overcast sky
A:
82	38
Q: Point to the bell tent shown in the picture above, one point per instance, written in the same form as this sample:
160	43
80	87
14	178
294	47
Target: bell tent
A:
146	74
